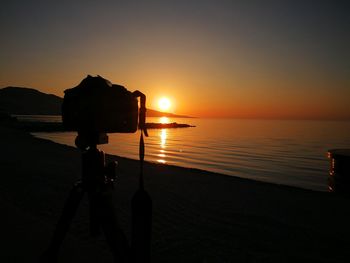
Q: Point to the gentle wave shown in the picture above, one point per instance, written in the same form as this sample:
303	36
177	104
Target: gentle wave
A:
283	152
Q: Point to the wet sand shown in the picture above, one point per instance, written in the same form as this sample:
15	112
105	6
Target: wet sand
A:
197	216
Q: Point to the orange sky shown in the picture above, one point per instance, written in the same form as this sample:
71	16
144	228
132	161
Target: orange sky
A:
211	59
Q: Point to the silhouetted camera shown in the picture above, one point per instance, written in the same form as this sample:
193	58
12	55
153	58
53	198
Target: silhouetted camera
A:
98	106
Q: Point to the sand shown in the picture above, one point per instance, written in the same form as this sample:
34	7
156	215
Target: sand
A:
198	216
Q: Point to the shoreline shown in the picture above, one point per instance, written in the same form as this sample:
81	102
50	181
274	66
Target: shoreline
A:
107	148
198	170
197	216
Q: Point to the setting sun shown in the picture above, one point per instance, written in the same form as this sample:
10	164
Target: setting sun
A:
164	104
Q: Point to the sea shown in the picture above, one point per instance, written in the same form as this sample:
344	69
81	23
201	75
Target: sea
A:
287	152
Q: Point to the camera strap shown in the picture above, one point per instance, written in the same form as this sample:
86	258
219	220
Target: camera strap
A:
142	127
141	202
142	113
142	156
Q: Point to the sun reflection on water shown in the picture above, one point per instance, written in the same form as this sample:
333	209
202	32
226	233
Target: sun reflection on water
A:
163	137
164	120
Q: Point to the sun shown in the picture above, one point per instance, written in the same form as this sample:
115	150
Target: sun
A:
164	104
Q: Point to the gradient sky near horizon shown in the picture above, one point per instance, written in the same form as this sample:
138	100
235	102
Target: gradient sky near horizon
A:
213	58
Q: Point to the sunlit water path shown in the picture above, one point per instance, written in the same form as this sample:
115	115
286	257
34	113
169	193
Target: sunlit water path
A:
278	151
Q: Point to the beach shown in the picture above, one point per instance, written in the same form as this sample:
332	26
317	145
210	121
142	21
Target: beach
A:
198	216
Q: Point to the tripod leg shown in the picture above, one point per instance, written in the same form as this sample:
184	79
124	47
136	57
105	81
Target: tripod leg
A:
115	237
69	210
93	207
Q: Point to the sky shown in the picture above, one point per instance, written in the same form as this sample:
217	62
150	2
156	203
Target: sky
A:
211	58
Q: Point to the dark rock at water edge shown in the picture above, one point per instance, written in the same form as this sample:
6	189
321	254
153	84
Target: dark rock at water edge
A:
5	117
152	125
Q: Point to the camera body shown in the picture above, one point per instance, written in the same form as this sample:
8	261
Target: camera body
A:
98	106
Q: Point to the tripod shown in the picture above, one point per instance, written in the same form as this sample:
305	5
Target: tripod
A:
97	182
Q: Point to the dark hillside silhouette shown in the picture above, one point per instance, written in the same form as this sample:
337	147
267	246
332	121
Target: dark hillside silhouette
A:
21	101
154	113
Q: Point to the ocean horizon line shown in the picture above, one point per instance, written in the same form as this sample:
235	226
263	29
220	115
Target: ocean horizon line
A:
214	118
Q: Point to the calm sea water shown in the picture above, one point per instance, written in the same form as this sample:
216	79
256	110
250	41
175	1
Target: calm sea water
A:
278	151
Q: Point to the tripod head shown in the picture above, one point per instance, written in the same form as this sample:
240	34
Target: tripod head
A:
86	140
95	171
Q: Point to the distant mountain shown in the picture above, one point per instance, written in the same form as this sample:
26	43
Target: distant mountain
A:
26	101
22	101
154	113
